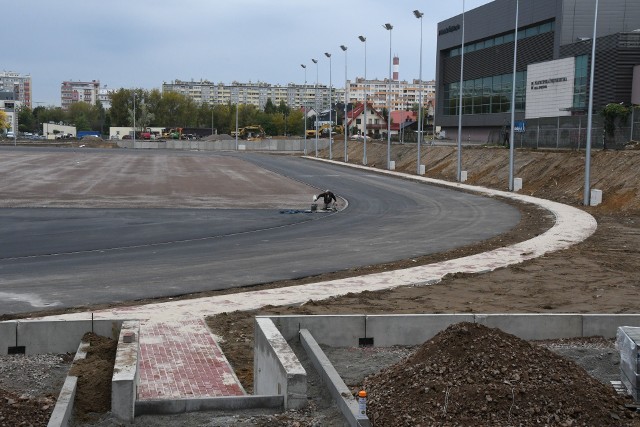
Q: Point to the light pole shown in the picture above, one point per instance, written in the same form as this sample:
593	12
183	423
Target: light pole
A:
366	89
419	15
345	125
460	101
304	107
315	61
587	165
134	119
389	27
513	100
328	55
237	130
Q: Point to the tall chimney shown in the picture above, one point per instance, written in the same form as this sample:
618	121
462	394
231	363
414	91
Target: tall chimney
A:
396	67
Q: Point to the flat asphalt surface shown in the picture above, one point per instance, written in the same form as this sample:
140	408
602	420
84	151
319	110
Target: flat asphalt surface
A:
149	224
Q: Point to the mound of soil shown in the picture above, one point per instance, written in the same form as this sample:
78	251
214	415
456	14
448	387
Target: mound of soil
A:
471	375
93	395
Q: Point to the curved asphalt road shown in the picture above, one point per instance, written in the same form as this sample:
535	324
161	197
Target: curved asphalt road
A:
69	257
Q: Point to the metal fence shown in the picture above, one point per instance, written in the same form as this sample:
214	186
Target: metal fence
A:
570	133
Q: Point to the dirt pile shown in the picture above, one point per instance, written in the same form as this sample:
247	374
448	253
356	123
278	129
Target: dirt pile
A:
23	410
94	374
549	174
470	375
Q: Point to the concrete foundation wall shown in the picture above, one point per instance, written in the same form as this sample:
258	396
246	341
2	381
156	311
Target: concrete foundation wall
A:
414	329
292	145
124	382
337	388
276	369
46	336
63	410
336	331
226	403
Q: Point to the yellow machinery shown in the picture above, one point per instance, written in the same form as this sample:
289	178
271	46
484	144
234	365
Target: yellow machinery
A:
324	130
250	133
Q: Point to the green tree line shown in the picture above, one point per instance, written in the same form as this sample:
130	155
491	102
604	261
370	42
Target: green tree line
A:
169	110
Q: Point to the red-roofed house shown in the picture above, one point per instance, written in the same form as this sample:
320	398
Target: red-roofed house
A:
376	122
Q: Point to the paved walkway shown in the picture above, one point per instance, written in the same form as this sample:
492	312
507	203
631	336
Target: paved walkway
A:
181	360
177	347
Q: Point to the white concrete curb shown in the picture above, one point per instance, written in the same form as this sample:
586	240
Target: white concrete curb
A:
571	226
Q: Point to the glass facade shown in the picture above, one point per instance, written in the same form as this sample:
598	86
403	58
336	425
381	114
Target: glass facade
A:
580	82
502	39
487	95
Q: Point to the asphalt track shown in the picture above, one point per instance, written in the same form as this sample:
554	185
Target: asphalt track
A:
52	258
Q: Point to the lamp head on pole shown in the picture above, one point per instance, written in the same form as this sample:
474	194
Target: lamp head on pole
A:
303	66
315	61
328	55
362	38
418	14
388	27
343	47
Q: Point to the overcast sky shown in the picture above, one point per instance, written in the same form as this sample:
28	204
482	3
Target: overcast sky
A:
143	43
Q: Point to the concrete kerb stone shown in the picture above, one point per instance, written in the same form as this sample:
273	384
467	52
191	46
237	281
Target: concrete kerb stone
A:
229	403
337	388
64	405
125	372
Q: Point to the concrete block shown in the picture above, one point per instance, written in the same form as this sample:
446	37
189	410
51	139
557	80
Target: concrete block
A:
517	184
392	165
535	326
276	369
596	197
606	325
64	404
422	169
225	403
463	176
332	330
45	336
410	329
339	391
124	382
7	336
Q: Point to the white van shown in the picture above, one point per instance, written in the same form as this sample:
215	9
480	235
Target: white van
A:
10	135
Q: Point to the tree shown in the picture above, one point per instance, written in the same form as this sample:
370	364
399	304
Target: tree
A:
26	122
121	102
270	107
611	114
142	118
82	115
4	121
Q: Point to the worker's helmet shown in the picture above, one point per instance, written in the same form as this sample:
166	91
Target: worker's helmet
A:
326	191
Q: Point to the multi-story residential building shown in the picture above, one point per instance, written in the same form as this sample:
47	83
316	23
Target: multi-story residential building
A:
104	96
72	92
294	95
19	84
404	95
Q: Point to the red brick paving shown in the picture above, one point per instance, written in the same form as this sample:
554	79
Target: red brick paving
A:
182	360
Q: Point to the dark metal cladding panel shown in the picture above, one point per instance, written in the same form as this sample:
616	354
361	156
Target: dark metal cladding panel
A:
614	16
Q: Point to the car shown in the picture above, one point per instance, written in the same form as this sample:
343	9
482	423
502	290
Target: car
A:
11	135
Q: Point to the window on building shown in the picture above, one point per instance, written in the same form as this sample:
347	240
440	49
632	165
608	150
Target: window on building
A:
580	82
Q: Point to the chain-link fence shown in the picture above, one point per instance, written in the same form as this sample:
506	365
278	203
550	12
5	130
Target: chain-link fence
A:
570	133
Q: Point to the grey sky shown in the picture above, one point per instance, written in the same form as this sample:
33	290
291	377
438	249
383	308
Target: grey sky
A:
141	43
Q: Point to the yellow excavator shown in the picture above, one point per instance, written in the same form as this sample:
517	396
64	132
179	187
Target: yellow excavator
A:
324	130
250	133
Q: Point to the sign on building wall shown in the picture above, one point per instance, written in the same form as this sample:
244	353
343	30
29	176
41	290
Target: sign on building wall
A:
550	88
635	86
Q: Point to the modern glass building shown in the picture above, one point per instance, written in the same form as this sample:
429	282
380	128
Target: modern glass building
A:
553	62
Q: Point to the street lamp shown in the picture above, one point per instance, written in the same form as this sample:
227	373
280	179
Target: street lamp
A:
366	89
513	100
346	100
304	107
419	15
460	101
389	27
315	61
587	165
134	119
328	55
